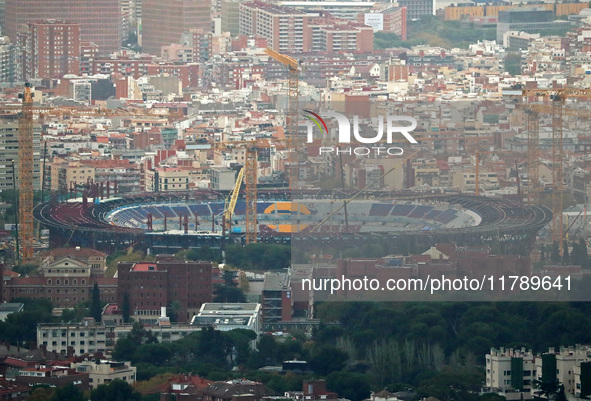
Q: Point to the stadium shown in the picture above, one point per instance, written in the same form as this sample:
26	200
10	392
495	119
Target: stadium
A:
166	222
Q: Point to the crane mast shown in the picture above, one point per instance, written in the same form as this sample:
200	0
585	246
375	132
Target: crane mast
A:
292	112
231	201
25	171
556	110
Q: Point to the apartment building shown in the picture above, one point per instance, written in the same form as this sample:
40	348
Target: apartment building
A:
200	43
222	179
52	49
7	60
416	9
289	30
511	372
285	29
65	174
104	371
80	338
336	35
9	153
99	20
466	181
514	373
386	19
167	179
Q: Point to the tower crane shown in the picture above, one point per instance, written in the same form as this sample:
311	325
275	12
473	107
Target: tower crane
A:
25	169
292	111
249	175
558	97
231	201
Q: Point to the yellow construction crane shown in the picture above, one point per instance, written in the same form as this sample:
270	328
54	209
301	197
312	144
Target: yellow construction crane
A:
25	171
231	201
292	111
558	97
249	174
533	112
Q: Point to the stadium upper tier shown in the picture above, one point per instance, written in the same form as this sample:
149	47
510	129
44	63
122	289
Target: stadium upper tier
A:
287	217
418	216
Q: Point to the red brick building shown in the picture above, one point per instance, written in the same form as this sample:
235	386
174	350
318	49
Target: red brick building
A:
292	31
391	19
99	20
285	29
335	35
201	42
122	64
187	73
150	286
136	67
50	49
88	52
66	277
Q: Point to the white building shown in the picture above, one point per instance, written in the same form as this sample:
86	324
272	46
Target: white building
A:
86	337
222	179
513	373
510	372
103	371
230	316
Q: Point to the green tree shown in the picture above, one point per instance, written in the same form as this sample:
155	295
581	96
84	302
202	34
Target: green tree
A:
267	347
223	293
328	359
125	349
241	339
204	253
213	346
117	390
68	393
75	314
229	276
173	311
95	303
154	354
41	393
353	386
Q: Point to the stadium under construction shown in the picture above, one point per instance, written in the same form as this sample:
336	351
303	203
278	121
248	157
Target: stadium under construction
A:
165	222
